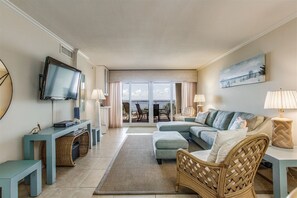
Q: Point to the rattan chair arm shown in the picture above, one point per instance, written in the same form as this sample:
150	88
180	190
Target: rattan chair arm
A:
205	173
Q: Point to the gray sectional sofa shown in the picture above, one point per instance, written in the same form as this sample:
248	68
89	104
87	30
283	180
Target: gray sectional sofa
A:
204	134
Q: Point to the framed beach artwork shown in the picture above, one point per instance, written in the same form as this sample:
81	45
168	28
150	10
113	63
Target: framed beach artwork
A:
246	72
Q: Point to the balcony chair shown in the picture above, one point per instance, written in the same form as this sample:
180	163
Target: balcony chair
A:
166	111
126	111
141	113
156	111
234	177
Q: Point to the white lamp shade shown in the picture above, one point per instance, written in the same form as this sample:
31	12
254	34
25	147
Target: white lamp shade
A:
199	98
281	100
97	94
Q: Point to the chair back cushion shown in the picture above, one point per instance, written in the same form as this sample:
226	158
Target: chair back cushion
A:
222	120
226	148
221	138
211	116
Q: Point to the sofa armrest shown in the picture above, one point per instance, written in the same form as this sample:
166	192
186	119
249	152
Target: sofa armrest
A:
264	127
189	119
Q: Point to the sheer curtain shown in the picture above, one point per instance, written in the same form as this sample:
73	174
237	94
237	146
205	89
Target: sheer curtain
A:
115	101
189	89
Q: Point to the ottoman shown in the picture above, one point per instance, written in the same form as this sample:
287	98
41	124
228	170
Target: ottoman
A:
166	143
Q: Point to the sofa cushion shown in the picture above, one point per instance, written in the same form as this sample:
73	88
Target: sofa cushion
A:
201	117
208	136
221	138
211	117
222	120
176	126
196	130
244	116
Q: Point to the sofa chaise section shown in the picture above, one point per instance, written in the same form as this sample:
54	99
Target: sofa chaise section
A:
183	127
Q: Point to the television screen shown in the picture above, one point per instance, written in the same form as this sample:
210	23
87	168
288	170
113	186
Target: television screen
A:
60	81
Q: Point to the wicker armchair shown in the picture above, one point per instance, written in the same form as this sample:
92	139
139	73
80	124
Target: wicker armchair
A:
234	177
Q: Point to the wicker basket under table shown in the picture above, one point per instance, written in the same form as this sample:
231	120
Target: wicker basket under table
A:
64	148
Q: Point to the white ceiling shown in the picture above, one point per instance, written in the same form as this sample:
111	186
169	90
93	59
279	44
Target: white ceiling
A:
157	34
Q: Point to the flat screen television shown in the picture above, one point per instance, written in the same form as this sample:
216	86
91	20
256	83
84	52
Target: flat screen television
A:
59	81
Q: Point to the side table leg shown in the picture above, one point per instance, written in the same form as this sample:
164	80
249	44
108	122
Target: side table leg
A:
50	161
10	189
89	127
28	154
35	185
280	188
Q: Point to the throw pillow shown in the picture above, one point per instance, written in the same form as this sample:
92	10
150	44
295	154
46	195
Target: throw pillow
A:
239	123
201	117
226	148
221	138
251	123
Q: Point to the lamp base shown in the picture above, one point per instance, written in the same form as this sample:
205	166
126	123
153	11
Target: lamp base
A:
282	133
199	108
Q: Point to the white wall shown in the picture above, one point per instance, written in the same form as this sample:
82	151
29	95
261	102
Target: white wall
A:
23	48
280	47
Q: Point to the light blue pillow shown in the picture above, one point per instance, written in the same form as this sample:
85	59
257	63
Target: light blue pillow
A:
201	117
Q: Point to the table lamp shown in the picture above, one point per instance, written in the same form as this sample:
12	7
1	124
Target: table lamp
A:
282	127
199	98
97	94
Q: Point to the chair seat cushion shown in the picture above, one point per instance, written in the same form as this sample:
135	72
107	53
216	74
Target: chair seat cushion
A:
169	140
202	155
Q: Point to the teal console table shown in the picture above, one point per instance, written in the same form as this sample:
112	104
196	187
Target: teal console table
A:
49	135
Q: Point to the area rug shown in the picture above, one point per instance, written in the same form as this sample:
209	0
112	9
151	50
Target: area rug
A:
141	129
135	171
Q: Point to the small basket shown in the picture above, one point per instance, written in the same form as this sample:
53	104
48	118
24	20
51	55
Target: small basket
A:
64	149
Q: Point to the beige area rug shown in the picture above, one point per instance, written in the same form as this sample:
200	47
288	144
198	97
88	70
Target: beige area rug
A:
135	171
141	129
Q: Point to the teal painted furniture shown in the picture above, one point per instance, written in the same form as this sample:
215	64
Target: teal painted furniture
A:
11	172
167	143
96	135
49	135
281	159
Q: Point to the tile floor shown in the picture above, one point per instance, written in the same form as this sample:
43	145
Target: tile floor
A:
80	181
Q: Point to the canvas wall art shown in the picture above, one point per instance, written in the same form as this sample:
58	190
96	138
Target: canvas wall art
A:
246	72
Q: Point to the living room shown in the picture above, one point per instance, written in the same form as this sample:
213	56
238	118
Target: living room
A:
28	37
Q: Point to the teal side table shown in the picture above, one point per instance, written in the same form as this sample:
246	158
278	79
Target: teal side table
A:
11	172
281	159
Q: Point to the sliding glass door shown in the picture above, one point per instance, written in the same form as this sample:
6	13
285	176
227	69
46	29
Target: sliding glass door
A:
148	102
163	101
